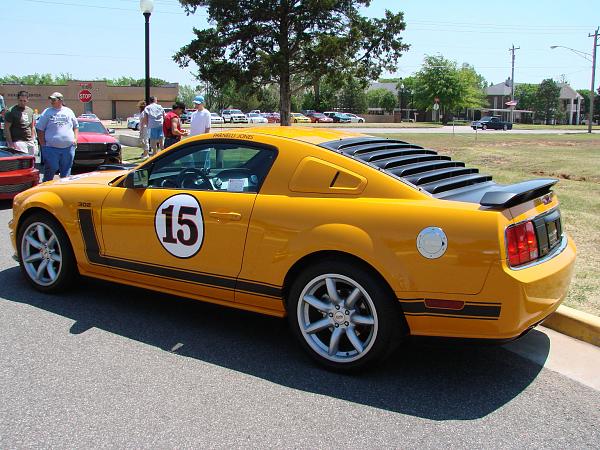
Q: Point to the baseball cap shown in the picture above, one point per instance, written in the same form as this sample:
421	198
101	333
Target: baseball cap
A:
198	99
55	95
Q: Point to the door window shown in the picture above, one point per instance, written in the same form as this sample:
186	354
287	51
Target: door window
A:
213	167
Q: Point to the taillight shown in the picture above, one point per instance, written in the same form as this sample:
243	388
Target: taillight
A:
521	244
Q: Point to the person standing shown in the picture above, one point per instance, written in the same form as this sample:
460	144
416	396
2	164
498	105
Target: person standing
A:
200	122
154	118
19	127
172	126
144	135
58	131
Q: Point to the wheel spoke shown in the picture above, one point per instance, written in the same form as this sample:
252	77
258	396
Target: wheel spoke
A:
41	269
41	233
316	303
362	320
56	257
334	343
51	241
51	271
33	258
33	242
354	340
315	327
332	291
352	298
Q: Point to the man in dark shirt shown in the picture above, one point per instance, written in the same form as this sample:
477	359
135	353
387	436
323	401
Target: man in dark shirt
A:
19	127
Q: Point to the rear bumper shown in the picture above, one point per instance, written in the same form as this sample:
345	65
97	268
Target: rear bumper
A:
510	303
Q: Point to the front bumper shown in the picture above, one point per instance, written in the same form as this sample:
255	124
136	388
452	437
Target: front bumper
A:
93	155
12	184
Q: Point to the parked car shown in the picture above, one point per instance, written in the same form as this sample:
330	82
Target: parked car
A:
338	117
492	123
87	116
256	118
17	172
234	116
317	117
133	123
354	118
358	240
95	145
299	118
215	118
271	117
186	116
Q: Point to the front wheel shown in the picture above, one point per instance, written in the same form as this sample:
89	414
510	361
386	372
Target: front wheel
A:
45	254
343	316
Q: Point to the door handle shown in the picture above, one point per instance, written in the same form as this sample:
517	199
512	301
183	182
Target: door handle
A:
225	215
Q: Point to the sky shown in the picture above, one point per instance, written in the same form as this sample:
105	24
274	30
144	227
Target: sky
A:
93	39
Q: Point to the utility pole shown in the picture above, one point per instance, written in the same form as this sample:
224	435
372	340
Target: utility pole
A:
512	81
593	87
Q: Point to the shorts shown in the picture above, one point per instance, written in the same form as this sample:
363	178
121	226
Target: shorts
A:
156	133
28	147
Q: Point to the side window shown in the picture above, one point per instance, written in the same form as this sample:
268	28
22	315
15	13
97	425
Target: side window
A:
213	167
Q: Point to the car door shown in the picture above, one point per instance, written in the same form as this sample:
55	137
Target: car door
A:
186	230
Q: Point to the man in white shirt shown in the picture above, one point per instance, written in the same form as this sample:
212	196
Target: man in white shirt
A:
200	122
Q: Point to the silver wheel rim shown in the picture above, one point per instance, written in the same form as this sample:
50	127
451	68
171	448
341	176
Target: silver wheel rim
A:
337	318
41	254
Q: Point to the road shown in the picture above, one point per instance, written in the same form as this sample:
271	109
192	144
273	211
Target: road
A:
114	366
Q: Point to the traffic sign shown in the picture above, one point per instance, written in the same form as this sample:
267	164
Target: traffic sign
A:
85	96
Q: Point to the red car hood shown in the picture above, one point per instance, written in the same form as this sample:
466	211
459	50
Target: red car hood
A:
96	138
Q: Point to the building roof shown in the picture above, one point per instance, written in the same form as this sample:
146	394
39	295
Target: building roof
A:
392	87
503	89
567	92
499	89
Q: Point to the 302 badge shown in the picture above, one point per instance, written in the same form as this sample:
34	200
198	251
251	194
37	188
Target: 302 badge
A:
179	225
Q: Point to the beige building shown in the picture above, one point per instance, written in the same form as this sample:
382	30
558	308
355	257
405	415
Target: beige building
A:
107	102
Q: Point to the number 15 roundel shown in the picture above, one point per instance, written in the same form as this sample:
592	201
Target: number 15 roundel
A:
179	225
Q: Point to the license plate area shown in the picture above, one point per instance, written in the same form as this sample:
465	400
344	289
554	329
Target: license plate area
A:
548	229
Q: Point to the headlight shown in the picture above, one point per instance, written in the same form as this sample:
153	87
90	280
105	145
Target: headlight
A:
114	147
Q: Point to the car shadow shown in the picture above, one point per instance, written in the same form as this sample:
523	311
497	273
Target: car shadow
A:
436	380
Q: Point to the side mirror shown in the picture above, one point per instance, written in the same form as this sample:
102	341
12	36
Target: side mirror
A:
138	179
111	131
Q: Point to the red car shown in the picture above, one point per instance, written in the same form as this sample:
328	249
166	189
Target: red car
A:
271	117
317	117
17	172
95	145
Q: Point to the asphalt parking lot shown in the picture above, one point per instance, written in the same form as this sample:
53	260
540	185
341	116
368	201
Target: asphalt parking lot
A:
114	366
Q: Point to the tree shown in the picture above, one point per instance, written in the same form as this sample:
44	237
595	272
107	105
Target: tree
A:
187	93
388	101
546	103
278	41
525	94
37	79
353	98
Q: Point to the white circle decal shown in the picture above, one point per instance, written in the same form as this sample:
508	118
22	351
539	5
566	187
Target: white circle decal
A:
179	225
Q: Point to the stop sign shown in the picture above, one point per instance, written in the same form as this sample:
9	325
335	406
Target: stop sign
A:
85	96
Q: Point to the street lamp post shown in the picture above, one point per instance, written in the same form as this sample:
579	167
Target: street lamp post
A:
401	99
147	6
593	61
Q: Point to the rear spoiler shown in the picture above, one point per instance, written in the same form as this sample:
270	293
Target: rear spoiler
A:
511	195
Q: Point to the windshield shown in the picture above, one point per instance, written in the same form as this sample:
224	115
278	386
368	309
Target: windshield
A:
486	118
214	114
91	127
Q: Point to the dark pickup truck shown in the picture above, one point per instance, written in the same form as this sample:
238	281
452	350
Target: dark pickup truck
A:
493	123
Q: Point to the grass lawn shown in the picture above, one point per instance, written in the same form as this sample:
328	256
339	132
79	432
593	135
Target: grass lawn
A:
574	159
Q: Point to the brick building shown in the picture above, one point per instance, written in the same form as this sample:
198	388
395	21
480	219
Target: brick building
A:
108	102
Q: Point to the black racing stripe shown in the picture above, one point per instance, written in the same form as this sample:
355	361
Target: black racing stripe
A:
448	316
92	250
480	310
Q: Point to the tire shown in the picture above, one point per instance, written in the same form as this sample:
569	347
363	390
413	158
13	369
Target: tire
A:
484	127
358	328
45	254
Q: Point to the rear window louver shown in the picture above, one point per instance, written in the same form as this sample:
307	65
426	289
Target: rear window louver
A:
436	174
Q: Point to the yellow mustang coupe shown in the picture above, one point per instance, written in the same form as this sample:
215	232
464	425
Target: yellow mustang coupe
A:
300	118
358	240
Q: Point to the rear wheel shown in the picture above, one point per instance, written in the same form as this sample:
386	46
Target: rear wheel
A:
343	316
46	254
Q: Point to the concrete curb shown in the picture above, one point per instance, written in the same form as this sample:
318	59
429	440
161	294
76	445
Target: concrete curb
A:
577	324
